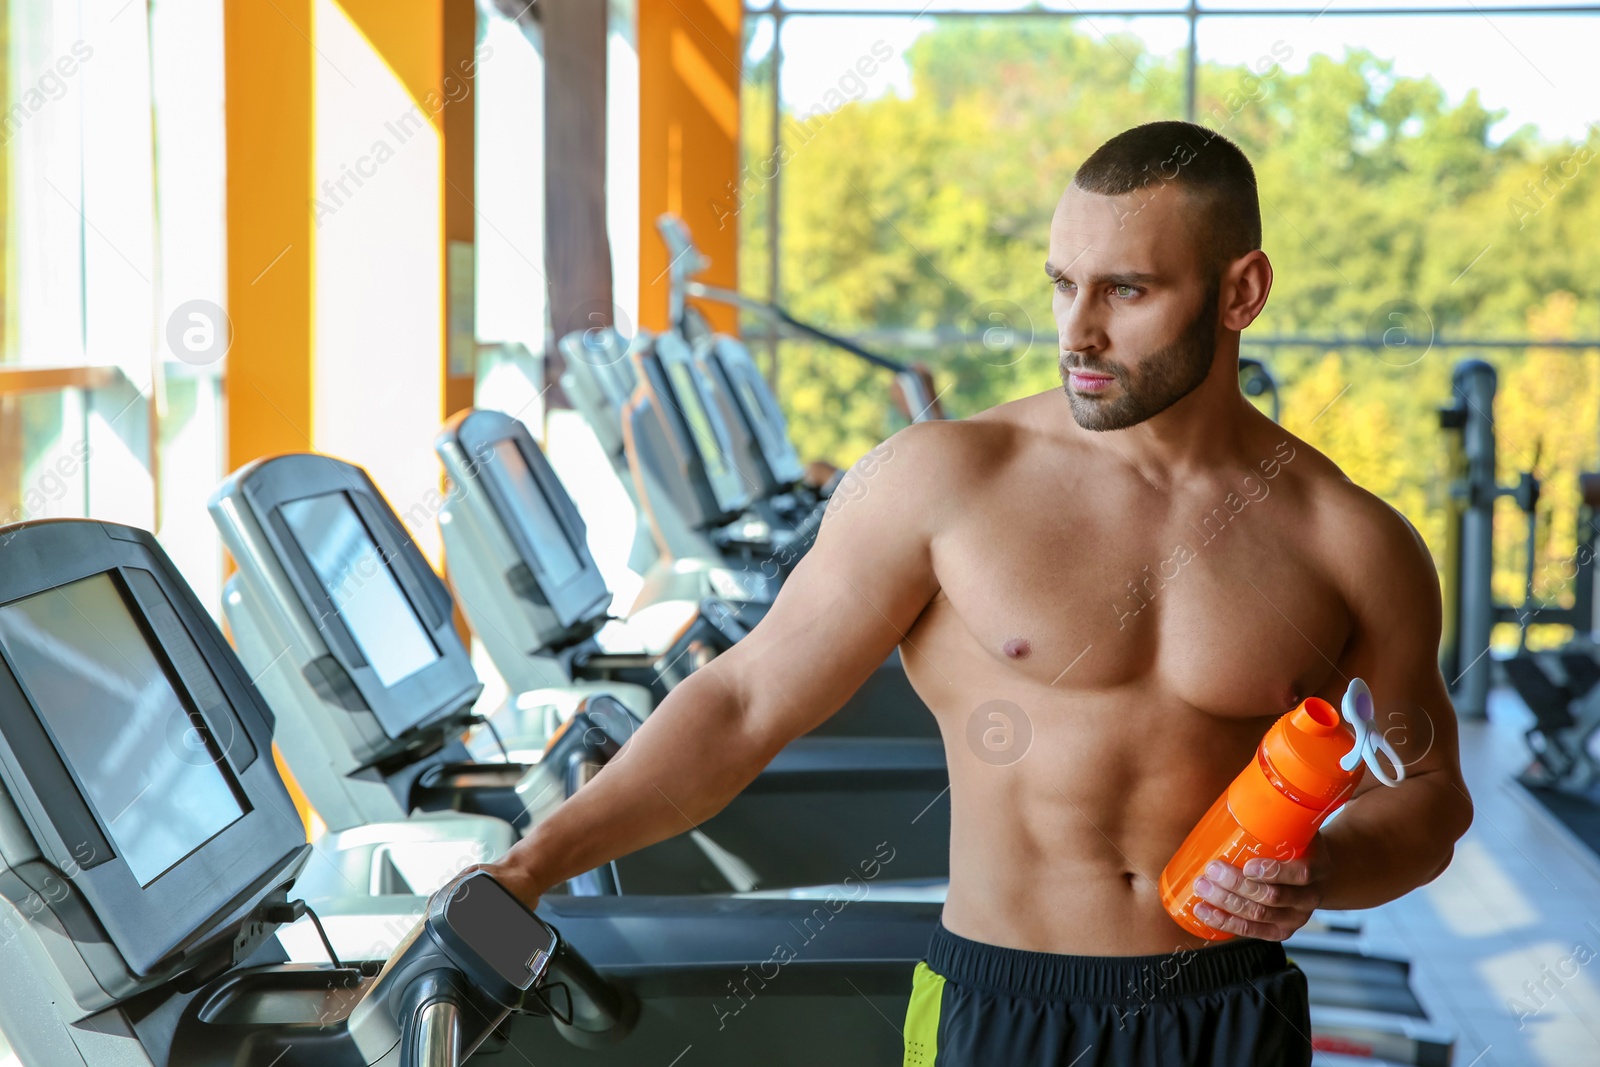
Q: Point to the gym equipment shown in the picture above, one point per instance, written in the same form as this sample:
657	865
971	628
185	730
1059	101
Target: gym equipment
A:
376	752
744	397
1362	1004
505	501
678	439
722	447
350	639
1563	698
1558	687
518	559
146	869
141	815
678	561
763	454
1471	611
548	646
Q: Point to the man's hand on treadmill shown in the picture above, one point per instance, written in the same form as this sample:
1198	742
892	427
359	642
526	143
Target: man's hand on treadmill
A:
514	877
1268	899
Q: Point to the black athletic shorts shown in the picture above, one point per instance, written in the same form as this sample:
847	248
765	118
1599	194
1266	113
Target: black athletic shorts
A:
1239	1003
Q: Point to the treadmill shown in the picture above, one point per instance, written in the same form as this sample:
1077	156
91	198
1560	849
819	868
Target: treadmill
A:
741	393
680	442
323	559
149	857
745	397
678	438
677	561
530	587
533	594
351	641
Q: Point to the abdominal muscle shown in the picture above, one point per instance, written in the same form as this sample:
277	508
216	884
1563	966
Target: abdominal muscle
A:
1065	896
1061	848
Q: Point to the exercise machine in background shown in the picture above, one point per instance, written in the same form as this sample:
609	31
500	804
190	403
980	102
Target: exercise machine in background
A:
675	559
350	639
149	864
393	741
516	553
1559	686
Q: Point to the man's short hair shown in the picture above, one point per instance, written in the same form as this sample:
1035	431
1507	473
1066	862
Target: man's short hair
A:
1220	181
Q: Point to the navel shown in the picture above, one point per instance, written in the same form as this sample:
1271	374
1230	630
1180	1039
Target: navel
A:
1018	648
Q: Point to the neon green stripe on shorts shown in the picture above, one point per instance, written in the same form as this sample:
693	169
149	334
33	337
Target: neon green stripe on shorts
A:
922	1017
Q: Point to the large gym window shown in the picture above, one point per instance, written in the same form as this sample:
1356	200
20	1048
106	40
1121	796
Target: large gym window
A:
112	169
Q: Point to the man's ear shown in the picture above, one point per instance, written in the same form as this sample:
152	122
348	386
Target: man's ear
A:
1245	285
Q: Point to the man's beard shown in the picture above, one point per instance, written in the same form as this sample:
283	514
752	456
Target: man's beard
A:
1163	378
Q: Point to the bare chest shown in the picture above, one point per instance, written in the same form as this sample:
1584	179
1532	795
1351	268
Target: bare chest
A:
1221	608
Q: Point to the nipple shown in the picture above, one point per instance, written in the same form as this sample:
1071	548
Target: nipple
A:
1018	648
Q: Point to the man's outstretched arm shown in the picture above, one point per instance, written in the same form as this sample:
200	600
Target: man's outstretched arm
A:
845	607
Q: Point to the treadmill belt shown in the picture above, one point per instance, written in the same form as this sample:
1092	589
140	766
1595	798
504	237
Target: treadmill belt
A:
1578	813
1345	980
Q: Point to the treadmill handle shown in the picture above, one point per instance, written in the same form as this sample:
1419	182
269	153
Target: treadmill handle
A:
431	1028
437	1042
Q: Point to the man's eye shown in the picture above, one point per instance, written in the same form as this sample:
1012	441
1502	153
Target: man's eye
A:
1062	285
1126	292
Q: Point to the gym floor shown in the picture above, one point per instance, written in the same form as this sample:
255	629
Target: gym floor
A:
1505	945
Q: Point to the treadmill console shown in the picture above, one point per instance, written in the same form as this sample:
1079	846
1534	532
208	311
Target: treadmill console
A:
503	948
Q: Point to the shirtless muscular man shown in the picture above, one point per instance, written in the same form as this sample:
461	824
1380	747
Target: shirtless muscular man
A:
1140	572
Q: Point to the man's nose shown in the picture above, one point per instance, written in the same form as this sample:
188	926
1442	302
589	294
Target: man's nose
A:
1079	327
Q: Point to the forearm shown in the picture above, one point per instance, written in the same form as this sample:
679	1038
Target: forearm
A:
1388	842
692	756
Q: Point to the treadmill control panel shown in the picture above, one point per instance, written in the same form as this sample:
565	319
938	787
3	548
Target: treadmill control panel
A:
502	947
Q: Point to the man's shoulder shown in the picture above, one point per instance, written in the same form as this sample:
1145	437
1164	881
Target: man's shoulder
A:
934	469
1363	538
950	449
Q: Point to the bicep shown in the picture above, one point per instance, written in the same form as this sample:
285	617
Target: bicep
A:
1394	648
847	604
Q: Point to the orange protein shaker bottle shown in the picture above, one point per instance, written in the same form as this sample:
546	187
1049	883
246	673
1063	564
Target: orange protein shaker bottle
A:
1306	766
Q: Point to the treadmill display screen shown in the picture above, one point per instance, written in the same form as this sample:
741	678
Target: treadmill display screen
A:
536	515
695	414
356	577
760	418
159	785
